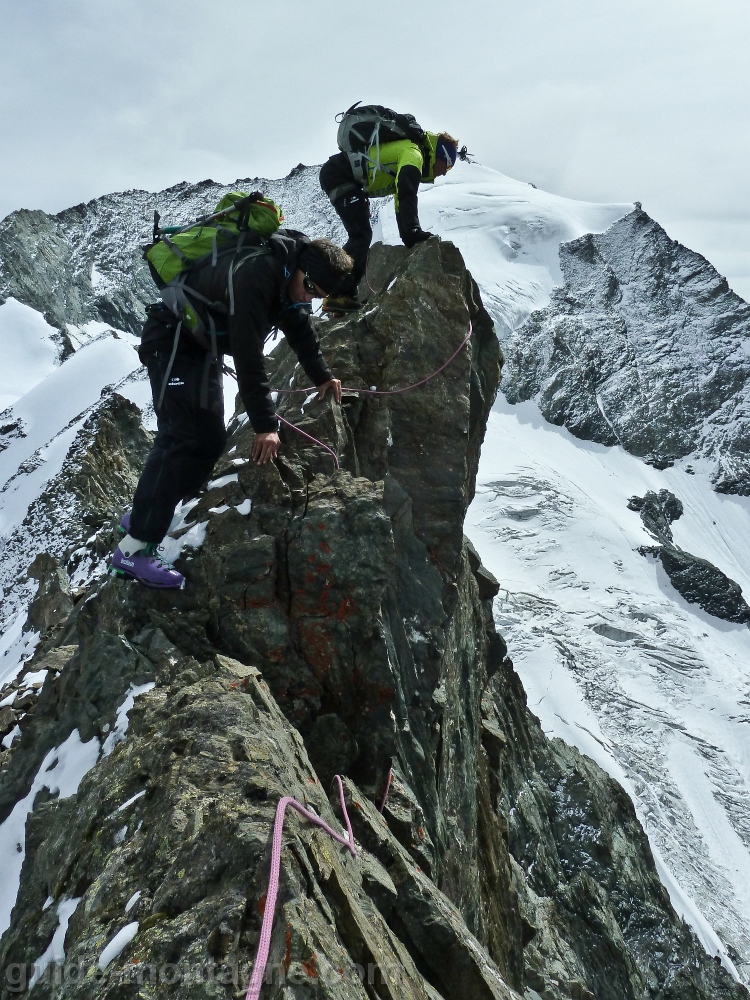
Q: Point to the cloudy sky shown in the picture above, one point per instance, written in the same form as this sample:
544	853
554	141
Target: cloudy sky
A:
601	100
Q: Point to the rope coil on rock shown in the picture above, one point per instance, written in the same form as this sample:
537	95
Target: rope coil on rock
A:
347	839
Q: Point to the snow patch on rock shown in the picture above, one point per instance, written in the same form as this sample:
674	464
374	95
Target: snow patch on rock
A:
118	944
55	953
62	770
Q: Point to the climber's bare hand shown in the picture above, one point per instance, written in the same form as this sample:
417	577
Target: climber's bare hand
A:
335	385
265	447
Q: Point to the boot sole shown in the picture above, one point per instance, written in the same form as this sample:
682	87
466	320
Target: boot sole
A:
151	586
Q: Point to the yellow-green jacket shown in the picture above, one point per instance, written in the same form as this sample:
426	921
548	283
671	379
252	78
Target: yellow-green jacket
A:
387	162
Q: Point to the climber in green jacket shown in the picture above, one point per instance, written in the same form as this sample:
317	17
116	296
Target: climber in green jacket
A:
395	168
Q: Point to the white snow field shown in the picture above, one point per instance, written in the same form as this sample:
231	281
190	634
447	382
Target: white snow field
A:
612	658
614	661
508	231
28	349
38	430
51	414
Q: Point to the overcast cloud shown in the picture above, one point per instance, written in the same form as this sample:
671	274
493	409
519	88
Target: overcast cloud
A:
602	100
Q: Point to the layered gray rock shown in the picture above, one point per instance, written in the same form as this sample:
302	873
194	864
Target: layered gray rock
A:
334	621
644	345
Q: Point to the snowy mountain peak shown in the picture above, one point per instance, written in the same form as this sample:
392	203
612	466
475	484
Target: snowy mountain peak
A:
643	345
86	263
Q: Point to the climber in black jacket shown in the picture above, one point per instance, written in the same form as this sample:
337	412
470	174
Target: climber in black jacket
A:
270	289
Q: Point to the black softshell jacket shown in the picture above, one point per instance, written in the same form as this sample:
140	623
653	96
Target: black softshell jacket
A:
260	304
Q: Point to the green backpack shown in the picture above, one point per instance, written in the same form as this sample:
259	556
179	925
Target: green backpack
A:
178	248
240	224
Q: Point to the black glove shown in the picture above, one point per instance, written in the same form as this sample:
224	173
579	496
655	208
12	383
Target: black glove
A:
414	236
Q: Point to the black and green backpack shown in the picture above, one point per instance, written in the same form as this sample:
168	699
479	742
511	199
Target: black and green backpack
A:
365	125
240	225
179	248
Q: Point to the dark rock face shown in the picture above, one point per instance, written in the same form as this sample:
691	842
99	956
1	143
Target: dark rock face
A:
9	429
53	602
595	911
698	580
645	346
336	620
658	511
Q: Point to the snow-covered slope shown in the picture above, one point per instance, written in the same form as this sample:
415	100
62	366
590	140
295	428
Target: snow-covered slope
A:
510	232
28	348
614	660
44	436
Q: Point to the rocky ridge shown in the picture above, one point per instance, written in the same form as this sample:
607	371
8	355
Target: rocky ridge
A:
85	263
334	621
82	269
96	479
643	345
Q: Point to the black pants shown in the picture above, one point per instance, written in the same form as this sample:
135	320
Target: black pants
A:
188	442
353	208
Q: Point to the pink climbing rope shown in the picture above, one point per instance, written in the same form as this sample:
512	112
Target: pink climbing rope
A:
366	392
415	385
256	981
381	807
310	438
393	392
294	427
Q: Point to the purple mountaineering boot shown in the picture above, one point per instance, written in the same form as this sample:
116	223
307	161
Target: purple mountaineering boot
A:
124	525
147	567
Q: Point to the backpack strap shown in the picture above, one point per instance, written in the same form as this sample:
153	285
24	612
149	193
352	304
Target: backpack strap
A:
236	265
170	364
203	399
174	248
361	162
212	358
230	275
